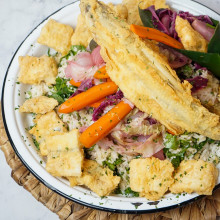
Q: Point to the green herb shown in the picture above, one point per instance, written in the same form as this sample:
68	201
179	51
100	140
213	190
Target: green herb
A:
129	192
73	51
48	53
92	45
61	90
185	71
146	17
36	144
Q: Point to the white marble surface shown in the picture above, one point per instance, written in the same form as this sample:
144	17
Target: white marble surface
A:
17	19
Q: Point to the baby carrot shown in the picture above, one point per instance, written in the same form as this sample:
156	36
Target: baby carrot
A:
101	73
153	34
77	84
104	125
88	97
97	104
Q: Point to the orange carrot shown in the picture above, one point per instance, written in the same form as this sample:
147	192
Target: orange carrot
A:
169	131
153	34
77	84
101	73
96	104
109	80
88	97
104	125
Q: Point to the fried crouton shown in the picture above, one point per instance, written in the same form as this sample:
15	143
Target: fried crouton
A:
48	124
57	36
34	70
120	10
39	105
64	154
190	38
82	35
100	180
195	176
132	6
151	177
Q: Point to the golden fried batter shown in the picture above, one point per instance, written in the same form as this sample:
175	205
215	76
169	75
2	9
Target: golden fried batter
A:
144	76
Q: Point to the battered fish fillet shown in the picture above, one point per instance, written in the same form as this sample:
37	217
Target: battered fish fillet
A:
145	78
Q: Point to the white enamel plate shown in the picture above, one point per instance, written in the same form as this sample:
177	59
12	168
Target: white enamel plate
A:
15	124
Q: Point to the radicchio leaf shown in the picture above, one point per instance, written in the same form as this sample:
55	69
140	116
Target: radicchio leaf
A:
110	100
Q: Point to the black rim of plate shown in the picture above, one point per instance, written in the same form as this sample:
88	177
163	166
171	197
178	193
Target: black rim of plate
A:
56	190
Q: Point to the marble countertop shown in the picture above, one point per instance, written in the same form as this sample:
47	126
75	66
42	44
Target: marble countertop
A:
17	19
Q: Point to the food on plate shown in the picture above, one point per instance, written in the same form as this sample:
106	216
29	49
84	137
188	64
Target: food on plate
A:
132	6
191	39
195	176
145	78
64	154
81	36
121	107
47	124
39	105
151	177
34	70
100	180
57	36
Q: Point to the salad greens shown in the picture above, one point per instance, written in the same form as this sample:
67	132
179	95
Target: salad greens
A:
61	90
177	148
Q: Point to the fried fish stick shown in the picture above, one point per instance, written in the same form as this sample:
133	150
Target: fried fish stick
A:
144	76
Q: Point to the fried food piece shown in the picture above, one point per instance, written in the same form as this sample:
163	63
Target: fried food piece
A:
151	177
34	70
195	176
57	36
190	38
120	10
132	6
145	77
100	180
48	124
82	35
64	154
39	105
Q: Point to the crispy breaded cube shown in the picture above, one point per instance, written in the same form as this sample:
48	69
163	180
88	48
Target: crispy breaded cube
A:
82	35
64	154
34	70
132	6
100	180
48	124
57	36
190	38
39	105
151	177
195	176
120	10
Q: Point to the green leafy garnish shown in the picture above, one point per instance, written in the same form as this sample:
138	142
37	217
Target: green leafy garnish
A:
130	192
73	51
113	166
61	90
37	145
92	45
209	60
214	43
185	71
146	17
176	148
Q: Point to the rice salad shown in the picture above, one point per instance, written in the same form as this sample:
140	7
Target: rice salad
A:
137	124
115	116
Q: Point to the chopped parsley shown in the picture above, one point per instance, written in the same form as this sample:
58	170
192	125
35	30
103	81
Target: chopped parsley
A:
73	51
61	90
36	144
